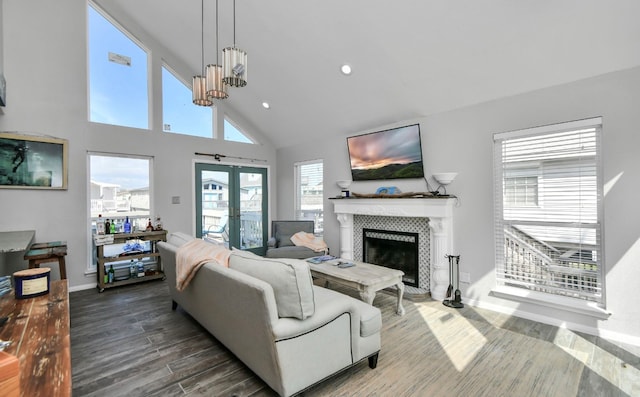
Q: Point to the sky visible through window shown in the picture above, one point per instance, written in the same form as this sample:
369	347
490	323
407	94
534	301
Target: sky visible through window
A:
126	172
118	91
231	133
118	87
179	114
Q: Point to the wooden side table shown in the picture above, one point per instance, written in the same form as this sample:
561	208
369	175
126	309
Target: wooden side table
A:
39	330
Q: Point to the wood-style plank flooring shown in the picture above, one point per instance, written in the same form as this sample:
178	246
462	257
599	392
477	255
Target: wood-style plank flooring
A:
128	342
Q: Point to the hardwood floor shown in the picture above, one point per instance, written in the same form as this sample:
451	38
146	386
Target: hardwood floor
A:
128	342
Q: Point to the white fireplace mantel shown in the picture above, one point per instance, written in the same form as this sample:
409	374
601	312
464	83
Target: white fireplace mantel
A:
438	210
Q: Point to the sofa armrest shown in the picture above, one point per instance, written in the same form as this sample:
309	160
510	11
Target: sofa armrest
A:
327	342
365	319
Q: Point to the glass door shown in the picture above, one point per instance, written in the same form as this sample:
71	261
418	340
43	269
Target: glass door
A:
231	205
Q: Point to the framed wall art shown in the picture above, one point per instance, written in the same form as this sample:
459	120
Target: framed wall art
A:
32	162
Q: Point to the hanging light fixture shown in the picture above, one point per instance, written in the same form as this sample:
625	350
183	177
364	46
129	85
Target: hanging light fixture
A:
215	87
199	87
234	61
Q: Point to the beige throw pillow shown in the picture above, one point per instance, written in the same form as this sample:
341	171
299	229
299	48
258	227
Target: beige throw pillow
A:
179	238
290	279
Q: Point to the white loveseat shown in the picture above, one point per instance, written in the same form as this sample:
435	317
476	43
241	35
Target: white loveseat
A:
267	311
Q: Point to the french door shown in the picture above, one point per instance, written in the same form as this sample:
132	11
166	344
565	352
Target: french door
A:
231	205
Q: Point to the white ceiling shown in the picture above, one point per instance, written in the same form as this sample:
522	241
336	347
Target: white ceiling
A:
410	58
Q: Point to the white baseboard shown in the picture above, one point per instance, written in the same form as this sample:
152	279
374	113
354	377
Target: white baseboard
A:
603	333
83	287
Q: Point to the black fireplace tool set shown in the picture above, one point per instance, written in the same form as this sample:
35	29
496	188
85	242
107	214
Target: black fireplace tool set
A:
454	298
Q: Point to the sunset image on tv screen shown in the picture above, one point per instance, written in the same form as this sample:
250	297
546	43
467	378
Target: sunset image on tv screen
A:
389	154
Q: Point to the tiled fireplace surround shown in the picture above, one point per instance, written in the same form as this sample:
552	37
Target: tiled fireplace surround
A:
431	218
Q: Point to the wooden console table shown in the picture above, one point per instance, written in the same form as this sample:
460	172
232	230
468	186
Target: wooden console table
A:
39	331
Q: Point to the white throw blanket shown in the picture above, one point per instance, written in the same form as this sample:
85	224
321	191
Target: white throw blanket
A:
191	256
309	240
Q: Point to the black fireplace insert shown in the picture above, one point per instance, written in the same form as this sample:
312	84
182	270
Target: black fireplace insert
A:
392	249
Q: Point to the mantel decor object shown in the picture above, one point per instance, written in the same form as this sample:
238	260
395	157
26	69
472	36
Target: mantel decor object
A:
443	179
344	186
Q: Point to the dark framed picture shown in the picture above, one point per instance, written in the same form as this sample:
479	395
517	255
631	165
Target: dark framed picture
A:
32	162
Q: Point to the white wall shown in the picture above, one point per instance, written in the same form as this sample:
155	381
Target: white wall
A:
461	141
45	58
1	40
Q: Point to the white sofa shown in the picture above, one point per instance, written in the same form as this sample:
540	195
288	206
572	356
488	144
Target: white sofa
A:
267	311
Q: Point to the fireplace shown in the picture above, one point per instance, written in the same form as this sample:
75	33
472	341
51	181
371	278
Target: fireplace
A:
435	213
392	249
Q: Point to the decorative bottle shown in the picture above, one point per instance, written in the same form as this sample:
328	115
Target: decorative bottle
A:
113	227
133	269
107	227
112	274
140	269
127	225
100	224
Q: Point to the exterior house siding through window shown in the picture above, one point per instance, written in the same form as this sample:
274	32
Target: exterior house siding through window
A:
548	209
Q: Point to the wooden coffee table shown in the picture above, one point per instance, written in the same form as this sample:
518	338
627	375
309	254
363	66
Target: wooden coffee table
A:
366	278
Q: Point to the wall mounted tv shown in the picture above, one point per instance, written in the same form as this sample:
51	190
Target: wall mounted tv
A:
390	154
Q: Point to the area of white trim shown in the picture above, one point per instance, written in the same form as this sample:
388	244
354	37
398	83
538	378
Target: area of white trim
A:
570	125
553	301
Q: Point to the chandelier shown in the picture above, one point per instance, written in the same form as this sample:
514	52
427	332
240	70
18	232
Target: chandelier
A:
199	88
234	60
215	86
212	83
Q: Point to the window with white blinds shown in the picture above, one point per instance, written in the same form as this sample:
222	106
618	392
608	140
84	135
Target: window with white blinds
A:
309	192
548	209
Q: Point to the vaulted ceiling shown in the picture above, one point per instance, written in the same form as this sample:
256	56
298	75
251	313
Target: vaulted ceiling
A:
410	58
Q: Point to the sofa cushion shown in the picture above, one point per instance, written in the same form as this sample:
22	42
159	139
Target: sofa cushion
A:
283	240
291	252
179	238
290	279
283	230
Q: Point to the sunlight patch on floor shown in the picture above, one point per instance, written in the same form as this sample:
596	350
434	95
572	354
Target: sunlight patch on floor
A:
459	339
624	376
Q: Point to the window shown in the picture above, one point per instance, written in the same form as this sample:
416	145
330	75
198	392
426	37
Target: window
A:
179	114
520	191
118	89
119	187
548	216
309	202
232	133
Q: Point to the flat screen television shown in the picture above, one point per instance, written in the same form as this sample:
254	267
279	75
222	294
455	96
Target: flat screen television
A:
395	153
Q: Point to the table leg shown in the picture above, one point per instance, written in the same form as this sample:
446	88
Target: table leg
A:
400	292
367	296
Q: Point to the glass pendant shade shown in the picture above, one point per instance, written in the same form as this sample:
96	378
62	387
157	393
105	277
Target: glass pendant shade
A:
199	90
234	66
215	87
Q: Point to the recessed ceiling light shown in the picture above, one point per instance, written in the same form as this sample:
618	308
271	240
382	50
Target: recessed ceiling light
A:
345	69
266	105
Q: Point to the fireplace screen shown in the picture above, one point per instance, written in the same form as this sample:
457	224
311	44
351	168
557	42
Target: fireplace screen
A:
396	250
